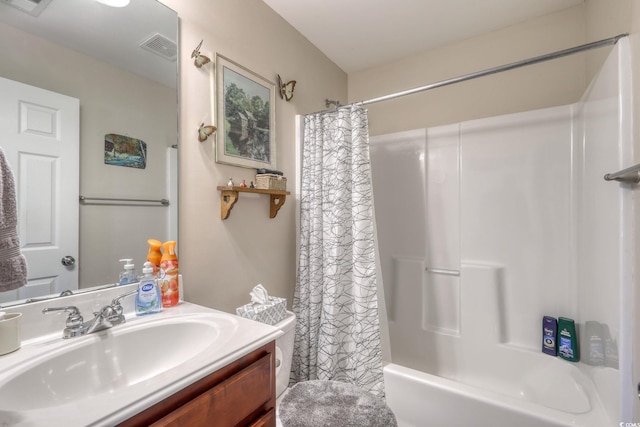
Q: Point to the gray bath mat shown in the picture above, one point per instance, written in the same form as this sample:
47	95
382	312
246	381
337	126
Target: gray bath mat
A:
333	404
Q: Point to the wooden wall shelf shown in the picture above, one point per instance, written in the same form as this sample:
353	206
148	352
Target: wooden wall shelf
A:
229	197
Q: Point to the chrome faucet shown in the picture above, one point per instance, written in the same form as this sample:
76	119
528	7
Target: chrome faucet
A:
108	317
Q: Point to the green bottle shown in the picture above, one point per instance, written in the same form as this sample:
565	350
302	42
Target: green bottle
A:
567	340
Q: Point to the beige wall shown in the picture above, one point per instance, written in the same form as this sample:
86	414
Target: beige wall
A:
222	260
557	82
552	83
605	19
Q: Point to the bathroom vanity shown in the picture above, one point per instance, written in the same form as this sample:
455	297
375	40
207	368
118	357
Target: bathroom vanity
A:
241	393
187	365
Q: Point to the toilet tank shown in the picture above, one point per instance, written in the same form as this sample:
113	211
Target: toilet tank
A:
284	351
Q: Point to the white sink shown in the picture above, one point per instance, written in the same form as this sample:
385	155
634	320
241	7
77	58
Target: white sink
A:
83	368
105	378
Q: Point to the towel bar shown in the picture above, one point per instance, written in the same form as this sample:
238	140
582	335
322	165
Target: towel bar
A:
83	199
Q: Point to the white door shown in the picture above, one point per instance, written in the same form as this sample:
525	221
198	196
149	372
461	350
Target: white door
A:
39	132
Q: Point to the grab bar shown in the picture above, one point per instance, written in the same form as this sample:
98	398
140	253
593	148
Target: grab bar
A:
443	271
163	202
629	175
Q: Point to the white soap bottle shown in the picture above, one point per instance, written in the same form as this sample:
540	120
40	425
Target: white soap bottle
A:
149	299
128	275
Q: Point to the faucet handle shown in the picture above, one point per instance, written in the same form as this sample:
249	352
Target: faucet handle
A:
74	319
107	311
116	301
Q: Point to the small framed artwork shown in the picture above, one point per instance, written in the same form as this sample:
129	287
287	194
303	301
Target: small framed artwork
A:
121	150
245	107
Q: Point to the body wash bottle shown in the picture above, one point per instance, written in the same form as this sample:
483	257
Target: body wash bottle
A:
148	299
567	340
549	335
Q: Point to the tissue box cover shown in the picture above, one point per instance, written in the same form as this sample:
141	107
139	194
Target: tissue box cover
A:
270	313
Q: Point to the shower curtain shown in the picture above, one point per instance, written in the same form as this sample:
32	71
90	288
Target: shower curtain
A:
337	333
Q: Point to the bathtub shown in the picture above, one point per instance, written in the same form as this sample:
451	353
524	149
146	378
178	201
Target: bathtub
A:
419	399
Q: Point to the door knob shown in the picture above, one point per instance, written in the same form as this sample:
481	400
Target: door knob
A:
68	261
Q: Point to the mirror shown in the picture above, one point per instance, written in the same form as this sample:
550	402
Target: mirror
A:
119	66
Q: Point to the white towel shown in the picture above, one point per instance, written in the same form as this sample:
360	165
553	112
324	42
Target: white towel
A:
13	265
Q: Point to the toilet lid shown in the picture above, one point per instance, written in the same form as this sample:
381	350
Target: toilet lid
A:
333	403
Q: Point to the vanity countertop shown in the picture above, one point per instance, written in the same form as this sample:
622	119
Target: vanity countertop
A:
77	389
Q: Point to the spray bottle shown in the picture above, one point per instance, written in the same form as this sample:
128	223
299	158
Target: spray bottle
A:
169	274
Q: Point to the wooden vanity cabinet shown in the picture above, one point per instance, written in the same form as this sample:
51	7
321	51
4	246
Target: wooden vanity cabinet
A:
240	394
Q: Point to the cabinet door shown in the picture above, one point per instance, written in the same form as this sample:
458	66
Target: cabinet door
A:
267	420
228	403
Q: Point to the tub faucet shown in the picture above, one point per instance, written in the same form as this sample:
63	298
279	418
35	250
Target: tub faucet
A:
109	316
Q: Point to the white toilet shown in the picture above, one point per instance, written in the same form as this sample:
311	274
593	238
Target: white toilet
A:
284	356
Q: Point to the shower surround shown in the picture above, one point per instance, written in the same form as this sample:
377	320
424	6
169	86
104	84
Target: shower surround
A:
486	226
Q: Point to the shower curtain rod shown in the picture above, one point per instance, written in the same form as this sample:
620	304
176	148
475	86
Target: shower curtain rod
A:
507	67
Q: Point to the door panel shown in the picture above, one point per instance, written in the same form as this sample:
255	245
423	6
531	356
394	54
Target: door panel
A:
39	132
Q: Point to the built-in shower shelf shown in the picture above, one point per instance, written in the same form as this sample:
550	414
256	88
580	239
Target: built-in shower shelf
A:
229	197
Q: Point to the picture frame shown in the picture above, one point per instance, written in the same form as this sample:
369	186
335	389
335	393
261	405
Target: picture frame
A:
122	150
245	114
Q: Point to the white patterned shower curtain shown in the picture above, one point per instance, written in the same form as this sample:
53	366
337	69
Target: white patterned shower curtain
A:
337	333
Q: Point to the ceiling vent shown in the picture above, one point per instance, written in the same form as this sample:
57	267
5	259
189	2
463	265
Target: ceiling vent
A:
32	7
160	45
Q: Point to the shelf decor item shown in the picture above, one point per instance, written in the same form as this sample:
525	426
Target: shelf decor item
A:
205	131
245	107
199	59
270	181
286	89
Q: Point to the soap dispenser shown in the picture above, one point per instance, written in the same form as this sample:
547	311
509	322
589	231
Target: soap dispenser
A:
128	275
149	299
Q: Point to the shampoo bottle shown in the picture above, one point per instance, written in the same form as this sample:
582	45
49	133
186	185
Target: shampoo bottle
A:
128	275
567	340
148	299
169	275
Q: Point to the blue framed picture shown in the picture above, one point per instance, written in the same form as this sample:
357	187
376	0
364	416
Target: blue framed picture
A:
121	150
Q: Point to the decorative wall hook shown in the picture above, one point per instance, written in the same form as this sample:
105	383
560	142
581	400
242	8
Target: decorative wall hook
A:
199	59
286	89
329	102
205	131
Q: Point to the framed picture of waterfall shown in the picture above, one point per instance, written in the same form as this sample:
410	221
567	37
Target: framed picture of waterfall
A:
245	109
